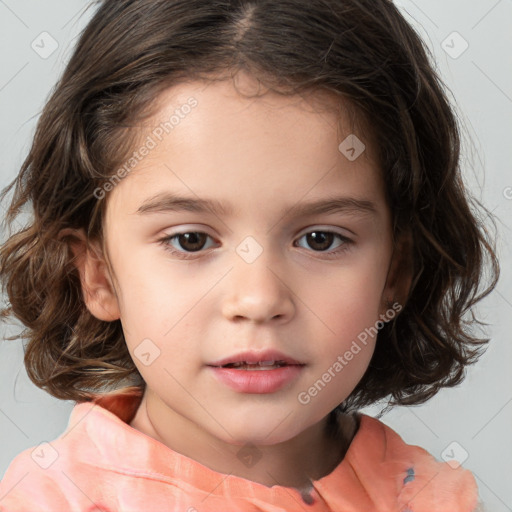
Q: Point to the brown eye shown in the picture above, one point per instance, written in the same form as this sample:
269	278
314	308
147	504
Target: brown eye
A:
320	240
193	241
181	244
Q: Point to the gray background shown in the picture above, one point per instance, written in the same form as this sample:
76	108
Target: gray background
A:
477	415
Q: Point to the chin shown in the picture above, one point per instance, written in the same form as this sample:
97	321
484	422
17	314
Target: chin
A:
262	429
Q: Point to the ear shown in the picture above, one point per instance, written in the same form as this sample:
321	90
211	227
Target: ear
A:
400	274
97	287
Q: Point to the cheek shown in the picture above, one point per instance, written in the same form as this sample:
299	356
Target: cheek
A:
350	299
161	317
348	305
150	299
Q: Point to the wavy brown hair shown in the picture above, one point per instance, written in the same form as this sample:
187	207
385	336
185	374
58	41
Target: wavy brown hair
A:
366	53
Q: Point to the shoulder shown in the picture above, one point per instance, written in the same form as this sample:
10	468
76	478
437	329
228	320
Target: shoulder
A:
26	484
49	477
423	483
82	465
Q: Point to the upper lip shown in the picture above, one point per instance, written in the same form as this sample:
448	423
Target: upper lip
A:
256	357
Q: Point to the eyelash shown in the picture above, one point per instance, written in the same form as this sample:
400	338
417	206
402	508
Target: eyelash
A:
347	243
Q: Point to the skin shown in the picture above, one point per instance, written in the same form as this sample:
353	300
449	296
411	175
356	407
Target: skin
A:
261	156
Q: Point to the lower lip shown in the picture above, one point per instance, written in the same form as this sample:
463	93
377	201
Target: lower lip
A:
257	381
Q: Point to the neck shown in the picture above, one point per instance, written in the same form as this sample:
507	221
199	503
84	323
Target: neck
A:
313	454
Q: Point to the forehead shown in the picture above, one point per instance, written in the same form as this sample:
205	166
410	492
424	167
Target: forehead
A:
241	104
234	139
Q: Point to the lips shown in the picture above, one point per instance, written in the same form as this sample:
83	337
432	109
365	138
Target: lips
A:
243	373
252	360
261	365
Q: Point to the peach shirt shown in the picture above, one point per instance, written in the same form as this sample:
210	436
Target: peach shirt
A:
101	463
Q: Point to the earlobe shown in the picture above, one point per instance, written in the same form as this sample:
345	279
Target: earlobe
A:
400	274
97	287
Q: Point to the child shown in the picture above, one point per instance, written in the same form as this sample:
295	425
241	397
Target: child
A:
227	374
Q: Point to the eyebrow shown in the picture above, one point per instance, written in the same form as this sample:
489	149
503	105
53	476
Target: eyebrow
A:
170	202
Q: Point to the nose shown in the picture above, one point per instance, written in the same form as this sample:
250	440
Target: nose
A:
258	292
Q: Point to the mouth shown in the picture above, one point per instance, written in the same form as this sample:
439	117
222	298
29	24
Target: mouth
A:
257	361
256	379
257	372
261	365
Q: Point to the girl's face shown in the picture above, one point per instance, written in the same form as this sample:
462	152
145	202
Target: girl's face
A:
245	233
